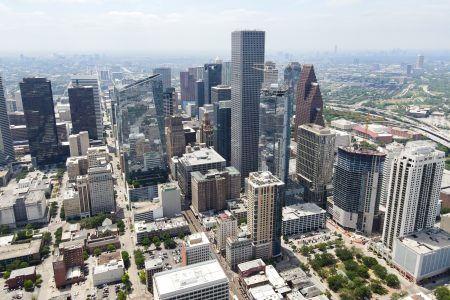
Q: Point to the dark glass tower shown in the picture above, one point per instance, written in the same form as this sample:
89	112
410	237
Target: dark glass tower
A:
199	94
187	86
6	145
309	104
82	110
247	53
220	93
212	76
37	98
222	129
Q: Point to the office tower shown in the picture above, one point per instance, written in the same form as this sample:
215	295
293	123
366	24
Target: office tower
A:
197	158
212	76
195	249
291	75
97	156
220	93
226	72
393	150
270	73
170	103
140	123
79	143
83	195
6	144
18	98
105	75
170	196
309	104
408	70
357	188
315	153
222	129
413	191
176	143
211	190
275	112
265	196
419	63
92	81
152	266
62	131
165	76
101	190
199	93
247	53
197	72
202	281
10	106
187	86
226	227
206	131
82	111
37	99
238	250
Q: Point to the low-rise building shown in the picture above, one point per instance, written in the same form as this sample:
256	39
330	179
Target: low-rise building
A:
23	206
300	218
71	204
17	277
250	268
238	250
67	266
422	254
110	268
147	211
202	281
404	133
343	124
445	222
173	227
152	267
195	249
369	134
29	252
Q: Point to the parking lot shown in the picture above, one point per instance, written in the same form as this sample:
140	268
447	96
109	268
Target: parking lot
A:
314	237
170	257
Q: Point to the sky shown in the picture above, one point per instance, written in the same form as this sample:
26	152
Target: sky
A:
104	26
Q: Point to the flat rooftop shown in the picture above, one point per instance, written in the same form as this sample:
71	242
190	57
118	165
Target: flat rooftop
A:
201	156
19	250
23	272
427	241
154	264
264	292
197	239
182	280
105	258
251	264
160	224
296	211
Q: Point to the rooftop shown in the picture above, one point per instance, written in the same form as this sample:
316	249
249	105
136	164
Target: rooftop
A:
197	239
264	178
201	155
160	224
186	278
106	258
154	264
296	211
23	272
19	250
426	241
251	265
264	292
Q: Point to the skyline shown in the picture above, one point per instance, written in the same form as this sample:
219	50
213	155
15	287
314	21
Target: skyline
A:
109	26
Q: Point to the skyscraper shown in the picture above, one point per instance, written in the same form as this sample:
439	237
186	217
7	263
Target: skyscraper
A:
220	93
170	103
393	150
226	72
357	188
187	86
265	196
270	73
309	104
206	131
419	63
315	154
176	143
275	112
247	53
165	76
291	75
82	111
37	99
92	81
212	76
413	191
6	145
199	94
222	129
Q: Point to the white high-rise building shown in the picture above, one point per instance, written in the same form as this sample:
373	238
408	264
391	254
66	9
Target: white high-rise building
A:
101	190
393	151
195	249
79	143
170	198
92	81
227	227
413	191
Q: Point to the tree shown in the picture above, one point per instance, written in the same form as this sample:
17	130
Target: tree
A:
305	250
363	271
21	235
362	292
379	271
47	238
158	245
28	285
126	259
322	247
377	288
110	248
392	281
62	213
23	264
169	244
121	295
337	282
369	261
142	276
146	241
442	293
125	278
351	265
121	226
85	255
139	259
6	274
4	230
97	251
344	254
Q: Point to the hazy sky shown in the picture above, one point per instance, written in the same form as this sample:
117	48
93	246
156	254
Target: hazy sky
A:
205	25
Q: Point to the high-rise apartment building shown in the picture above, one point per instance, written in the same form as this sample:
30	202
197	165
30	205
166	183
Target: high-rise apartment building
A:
226	227
247	53
79	143
265	196
176	143
165	76
275	112
187	86
212	76
210	191
37	99
206	131
270	73
82	110
419	63
220	93
92	81
6	144
413	191
357	188
195	249
222	129
101	190
393	150
309	103
315	155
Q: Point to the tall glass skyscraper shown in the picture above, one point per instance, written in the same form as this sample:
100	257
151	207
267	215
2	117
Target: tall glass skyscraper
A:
140	125
37	99
165	77
247	54
275	112
222	129
212	76
6	145
82	110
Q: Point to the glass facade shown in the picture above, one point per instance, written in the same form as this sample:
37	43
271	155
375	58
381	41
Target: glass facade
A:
82	111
